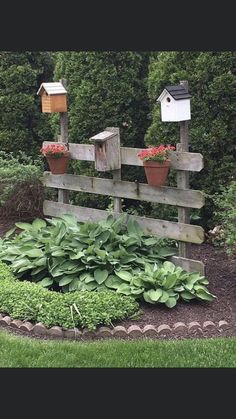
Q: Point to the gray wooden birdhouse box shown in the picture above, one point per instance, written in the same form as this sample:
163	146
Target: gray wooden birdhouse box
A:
107	151
175	104
53	97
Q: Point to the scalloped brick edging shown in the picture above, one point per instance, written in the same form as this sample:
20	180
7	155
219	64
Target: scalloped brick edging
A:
117	332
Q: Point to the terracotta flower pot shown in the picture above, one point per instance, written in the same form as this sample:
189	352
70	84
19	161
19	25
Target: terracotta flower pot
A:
156	172
58	166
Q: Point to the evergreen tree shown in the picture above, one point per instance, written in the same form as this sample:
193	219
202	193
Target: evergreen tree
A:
22	125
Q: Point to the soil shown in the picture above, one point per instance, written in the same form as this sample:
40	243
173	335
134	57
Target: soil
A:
221	273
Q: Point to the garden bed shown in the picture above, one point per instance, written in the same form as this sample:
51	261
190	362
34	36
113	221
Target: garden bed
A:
221	272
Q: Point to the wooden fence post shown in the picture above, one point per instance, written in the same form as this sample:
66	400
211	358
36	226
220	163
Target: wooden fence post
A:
116	174
183	180
63	195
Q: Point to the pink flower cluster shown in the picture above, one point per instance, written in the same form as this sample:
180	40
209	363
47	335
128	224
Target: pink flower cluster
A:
54	150
159	153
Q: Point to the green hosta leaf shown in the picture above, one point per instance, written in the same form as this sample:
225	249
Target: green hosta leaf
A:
169	266
100	275
59	253
103	237
34	253
125	275
35	271
204	281
187	295
77	256
38	223
136	291
40	262
46	282
88	278
167	251
171	302
204	295
89	287
136	281
164	297
155	295
170	281
179	288
134	228
73	286
25	268
150	242
147	298
113	282
101	253
124	289
24	226
65	280
10	232
20	263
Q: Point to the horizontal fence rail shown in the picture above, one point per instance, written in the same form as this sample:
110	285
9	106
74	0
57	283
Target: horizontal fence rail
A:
179	160
124	189
162	228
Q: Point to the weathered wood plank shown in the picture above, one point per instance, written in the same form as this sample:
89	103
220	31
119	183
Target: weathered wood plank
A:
189	265
116	174
125	189
172	230
63	196
179	161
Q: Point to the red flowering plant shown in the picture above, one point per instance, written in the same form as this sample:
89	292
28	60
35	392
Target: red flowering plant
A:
159	153
55	150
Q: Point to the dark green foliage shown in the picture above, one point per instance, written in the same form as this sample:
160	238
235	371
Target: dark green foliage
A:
225	217
22	125
21	191
105	89
212	83
28	301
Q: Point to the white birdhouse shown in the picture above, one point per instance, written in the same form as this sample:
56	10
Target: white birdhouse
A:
175	104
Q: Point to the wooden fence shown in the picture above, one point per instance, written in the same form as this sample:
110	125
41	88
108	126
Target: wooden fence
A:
184	198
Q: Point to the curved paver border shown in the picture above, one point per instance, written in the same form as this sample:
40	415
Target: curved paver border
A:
118	332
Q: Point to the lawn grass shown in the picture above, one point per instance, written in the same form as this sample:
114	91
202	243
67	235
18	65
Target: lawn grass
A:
23	352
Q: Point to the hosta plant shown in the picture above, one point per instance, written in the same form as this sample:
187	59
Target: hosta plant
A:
68	255
163	283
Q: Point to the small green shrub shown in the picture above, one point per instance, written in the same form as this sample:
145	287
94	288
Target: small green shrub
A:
225	216
29	301
163	283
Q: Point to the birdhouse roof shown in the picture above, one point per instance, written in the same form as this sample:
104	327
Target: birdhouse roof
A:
55	88
177	92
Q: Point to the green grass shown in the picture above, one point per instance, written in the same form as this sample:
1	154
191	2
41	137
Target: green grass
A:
22	352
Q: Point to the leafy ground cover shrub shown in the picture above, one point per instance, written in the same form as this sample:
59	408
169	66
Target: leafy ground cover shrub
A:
28	301
64	254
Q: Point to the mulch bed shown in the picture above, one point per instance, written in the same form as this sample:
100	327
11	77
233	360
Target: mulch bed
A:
221	273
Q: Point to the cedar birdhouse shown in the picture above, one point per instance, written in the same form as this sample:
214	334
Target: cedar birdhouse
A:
175	104
53	97
107	151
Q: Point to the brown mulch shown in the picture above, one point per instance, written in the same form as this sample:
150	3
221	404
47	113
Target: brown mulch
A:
221	273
